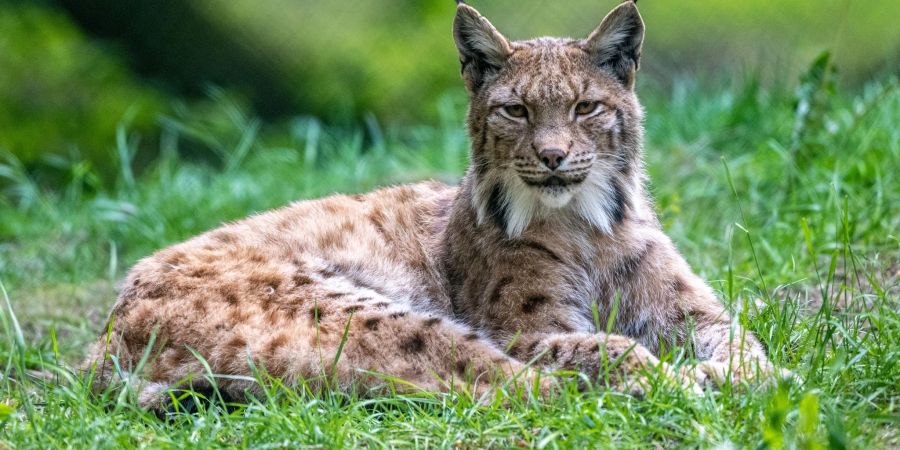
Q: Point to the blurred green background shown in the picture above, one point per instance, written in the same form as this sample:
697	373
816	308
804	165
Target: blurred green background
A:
76	75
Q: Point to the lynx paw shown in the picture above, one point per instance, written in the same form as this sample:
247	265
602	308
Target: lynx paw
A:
718	374
667	377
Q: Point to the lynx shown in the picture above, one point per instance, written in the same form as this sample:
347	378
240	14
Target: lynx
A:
509	276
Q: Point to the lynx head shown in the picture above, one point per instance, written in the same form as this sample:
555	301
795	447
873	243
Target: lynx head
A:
555	124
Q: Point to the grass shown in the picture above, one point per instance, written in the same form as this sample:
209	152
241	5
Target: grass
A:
786	200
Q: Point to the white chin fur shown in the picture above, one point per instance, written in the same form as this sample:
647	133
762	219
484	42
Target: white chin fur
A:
555	198
592	200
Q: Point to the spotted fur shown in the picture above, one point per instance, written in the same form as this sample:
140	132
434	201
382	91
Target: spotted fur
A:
446	287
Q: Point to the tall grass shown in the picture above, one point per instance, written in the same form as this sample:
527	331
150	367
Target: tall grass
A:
786	201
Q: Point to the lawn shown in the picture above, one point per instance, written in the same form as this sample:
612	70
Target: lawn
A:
786	198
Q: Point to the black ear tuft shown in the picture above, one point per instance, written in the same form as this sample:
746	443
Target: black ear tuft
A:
482	49
616	44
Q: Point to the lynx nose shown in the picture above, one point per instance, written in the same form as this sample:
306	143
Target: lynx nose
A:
552	157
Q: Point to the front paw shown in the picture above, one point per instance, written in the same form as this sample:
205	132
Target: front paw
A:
641	371
664	376
718	374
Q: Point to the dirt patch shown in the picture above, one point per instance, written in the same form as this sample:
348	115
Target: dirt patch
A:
76	311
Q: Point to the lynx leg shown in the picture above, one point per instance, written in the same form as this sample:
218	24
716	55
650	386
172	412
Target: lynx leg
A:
732	353
627	365
430	352
337	346
669	302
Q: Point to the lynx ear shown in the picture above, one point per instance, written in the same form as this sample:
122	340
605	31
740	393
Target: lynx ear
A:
616	44
482	49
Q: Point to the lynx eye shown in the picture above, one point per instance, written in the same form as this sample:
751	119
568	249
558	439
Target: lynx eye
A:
516	111
586	107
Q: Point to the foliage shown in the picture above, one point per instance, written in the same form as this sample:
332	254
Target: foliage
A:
62	96
346	58
804	250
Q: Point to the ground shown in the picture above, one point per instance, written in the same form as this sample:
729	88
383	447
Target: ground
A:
787	201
